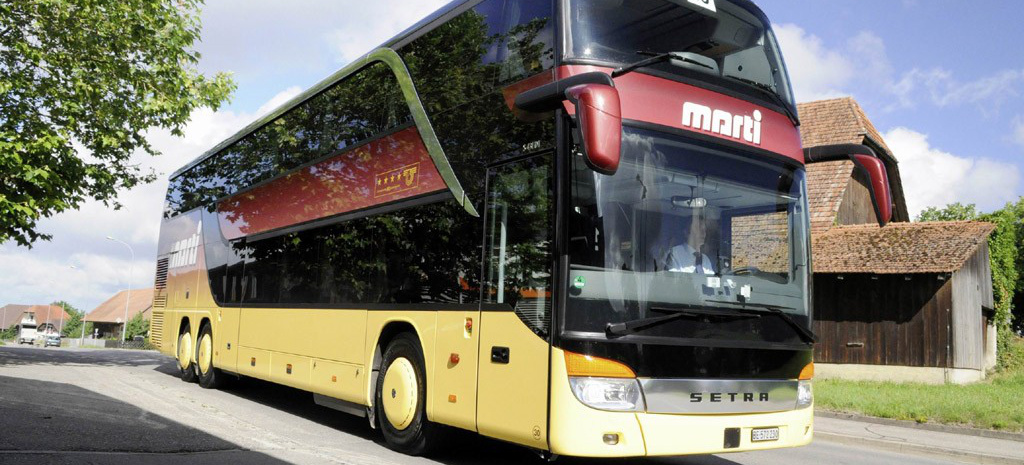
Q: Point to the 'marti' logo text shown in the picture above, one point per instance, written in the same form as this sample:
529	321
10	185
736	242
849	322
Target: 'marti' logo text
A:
723	123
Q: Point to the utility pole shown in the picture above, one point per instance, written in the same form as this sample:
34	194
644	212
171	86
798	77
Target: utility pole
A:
128	297
81	321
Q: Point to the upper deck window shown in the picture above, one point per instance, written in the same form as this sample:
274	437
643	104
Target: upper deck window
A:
739	39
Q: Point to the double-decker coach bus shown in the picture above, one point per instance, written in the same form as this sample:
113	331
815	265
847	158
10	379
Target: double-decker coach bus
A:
576	225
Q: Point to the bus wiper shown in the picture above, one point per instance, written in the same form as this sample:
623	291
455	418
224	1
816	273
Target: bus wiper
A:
765	309
770	92
655	58
673	313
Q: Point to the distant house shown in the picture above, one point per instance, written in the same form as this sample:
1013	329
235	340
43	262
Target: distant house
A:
12	314
109	317
907	302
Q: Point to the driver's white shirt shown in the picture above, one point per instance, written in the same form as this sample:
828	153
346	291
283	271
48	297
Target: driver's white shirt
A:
682	259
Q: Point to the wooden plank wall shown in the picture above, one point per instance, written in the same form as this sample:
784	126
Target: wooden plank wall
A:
856	207
972	289
898	321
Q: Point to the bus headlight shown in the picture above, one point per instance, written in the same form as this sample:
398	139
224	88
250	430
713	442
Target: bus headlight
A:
620	394
804	394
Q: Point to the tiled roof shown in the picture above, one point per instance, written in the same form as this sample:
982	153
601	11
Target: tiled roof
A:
10	314
826	186
841	121
837	121
49	314
112	311
899	248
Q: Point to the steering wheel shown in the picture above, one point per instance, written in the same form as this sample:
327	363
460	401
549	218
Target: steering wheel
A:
746	270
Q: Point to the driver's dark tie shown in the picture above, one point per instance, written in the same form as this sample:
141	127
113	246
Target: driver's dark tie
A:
698	262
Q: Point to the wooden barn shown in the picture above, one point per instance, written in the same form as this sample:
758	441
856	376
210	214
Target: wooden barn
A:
908	302
908	295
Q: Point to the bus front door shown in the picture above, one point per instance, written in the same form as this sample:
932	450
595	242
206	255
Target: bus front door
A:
516	310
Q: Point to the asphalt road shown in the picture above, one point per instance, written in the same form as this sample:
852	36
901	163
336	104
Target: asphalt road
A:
121	406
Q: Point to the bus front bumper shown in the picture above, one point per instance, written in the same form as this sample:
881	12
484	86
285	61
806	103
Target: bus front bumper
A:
581	431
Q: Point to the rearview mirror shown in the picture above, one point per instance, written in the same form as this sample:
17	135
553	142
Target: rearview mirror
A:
598	114
867	161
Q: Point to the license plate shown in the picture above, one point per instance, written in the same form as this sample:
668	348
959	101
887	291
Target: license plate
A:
764	434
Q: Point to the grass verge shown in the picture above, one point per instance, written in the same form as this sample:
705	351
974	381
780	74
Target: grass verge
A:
991	404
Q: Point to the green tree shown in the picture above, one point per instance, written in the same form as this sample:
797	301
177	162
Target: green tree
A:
73	325
137	326
952	212
9	333
96	75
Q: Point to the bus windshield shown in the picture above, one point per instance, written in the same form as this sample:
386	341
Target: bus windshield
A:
684	225
739	40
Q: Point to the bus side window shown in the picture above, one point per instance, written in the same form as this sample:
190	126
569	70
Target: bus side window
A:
528	45
520	218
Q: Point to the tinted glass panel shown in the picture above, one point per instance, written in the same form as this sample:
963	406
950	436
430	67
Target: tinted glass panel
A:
362	107
739	41
527	39
422	254
262	279
682	224
466	71
519	224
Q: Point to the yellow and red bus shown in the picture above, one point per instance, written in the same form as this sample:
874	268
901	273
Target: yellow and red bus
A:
576	225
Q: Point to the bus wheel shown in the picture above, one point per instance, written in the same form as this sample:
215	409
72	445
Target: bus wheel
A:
185	365
401	398
209	376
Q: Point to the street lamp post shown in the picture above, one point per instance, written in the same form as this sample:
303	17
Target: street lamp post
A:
128	297
63	310
81	321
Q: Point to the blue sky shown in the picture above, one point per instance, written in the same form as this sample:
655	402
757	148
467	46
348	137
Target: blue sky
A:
947	77
942	81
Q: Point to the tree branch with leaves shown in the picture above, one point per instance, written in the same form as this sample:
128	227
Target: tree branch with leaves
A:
81	82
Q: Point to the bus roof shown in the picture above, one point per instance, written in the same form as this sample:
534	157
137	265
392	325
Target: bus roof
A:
402	38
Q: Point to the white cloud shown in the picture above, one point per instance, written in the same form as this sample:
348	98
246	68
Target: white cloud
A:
932	177
280	99
1017	134
293	35
943	89
819	71
358	35
816	71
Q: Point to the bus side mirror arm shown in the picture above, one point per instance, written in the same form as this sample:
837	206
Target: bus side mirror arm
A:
598	114
865	160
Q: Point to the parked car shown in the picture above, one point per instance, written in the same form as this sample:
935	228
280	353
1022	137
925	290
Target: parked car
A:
52	340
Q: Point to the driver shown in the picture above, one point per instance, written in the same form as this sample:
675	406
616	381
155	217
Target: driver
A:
687	257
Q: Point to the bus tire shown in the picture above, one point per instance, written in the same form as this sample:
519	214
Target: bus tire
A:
400	398
209	376
186	366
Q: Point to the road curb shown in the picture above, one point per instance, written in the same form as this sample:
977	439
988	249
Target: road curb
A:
983	433
916	449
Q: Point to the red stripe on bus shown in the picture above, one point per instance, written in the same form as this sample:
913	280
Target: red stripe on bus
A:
385	170
660	101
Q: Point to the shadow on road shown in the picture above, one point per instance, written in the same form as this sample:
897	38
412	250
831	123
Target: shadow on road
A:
47	422
79	421
462	447
11	356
